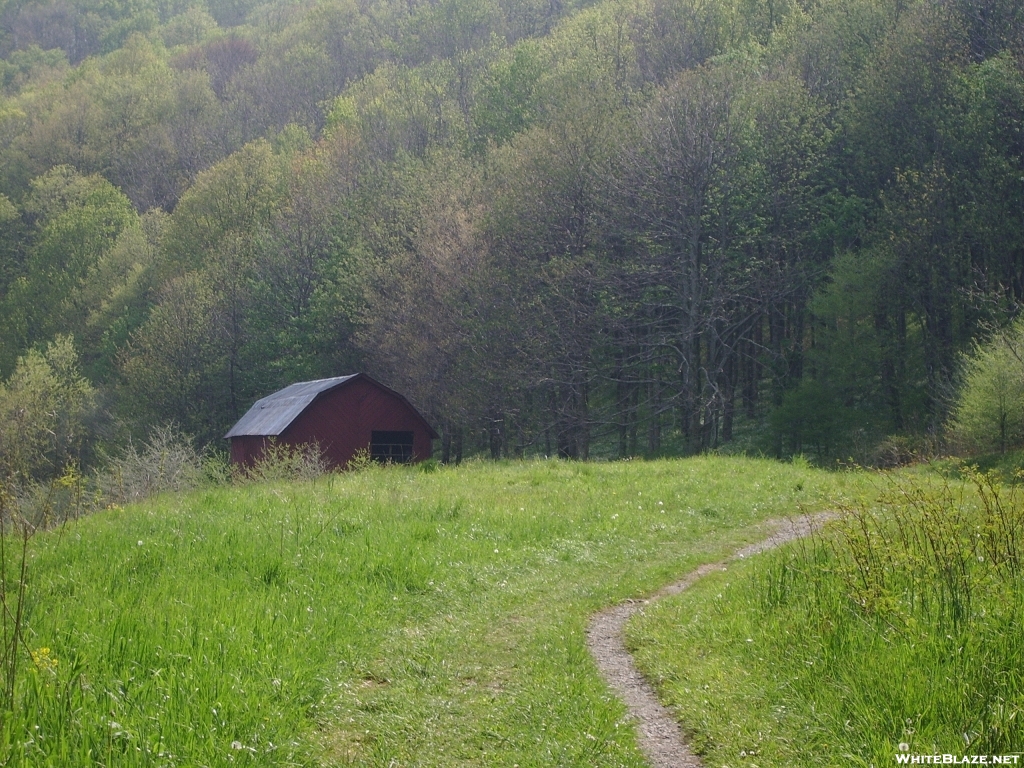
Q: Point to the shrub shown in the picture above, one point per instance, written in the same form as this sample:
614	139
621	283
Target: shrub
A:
989	412
810	420
288	462
902	450
168	461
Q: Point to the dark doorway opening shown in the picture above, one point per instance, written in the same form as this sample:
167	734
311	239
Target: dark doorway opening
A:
391	447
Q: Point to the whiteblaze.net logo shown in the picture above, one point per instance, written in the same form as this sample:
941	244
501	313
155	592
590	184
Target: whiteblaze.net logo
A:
908	759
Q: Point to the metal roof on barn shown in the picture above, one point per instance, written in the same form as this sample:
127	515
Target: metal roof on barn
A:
273	414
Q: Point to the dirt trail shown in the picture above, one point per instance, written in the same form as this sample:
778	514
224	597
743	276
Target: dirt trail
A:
661	738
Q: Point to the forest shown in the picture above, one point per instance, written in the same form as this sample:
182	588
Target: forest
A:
583	228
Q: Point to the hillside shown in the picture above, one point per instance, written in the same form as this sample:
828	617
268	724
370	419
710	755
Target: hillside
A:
631	227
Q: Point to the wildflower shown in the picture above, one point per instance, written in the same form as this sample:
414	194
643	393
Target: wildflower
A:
904	747
43	661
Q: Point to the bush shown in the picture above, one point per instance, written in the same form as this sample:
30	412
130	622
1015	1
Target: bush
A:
41	505
288	462
902	450
989	412
169	461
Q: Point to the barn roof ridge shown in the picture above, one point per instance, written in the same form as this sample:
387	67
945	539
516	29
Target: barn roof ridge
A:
271	415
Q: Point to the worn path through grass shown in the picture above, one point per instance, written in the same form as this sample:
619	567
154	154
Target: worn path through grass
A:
385	618
896	634
660	736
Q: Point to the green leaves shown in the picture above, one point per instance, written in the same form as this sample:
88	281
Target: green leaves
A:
989	411
44	407
77	221
175	366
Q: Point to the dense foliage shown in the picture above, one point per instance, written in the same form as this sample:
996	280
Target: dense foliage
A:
634	226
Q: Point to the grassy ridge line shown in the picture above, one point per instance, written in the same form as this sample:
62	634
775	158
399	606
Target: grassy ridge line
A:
899	631
389	617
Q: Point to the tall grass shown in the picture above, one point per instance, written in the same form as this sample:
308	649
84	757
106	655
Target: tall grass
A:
899	626
935	553
386	617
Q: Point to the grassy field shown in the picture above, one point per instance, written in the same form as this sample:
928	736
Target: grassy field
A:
387	617
897	632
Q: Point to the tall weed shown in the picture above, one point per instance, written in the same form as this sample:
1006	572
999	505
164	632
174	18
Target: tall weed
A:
168	461
895	628
287	462
900	625
931	552
29	673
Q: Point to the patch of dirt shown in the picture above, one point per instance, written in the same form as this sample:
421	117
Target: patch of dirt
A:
661	738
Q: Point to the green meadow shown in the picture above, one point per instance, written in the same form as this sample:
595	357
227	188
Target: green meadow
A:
390	616
436	617
897	631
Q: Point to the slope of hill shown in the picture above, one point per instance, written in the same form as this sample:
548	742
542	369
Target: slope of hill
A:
380	617
633	227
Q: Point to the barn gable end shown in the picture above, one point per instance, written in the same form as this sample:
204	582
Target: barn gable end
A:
342	415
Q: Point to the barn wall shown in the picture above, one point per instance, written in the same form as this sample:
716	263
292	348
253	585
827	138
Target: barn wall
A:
342	421
247	449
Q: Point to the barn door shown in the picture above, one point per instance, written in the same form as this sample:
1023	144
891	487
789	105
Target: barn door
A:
391	447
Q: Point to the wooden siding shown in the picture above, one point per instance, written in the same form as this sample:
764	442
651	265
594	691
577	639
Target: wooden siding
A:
342	421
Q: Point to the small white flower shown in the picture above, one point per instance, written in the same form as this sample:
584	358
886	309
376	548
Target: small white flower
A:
904	747
140	542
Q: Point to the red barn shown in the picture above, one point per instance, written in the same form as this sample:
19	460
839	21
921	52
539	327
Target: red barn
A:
342	415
